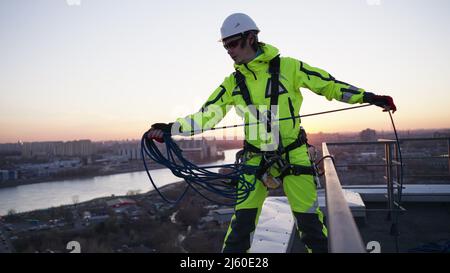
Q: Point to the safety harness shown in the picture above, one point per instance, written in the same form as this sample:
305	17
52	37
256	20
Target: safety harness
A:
272	158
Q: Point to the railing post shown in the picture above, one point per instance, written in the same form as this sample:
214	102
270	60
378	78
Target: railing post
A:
448	154
390	186
398	166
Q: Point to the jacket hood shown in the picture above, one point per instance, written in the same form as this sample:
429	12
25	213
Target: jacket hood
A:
261	61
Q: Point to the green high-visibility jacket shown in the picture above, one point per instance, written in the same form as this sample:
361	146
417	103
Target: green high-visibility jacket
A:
294	74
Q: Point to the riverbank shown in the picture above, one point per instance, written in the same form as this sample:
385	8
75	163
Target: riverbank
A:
91	171
130	223
87	174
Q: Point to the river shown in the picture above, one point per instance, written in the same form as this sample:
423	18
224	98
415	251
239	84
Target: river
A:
56	193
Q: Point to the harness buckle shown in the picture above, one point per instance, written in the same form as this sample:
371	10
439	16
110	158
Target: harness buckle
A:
271	182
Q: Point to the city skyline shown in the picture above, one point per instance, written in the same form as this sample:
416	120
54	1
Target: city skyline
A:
427	132
105	70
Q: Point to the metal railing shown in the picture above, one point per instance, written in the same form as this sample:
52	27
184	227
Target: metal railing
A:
392	146
343	234
393	168
393	179
394	186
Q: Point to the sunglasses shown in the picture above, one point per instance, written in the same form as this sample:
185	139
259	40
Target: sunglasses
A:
232	44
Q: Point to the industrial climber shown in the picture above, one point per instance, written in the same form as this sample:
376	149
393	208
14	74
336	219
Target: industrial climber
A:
266	87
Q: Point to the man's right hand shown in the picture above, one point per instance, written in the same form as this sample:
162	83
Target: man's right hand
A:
157	131
155	134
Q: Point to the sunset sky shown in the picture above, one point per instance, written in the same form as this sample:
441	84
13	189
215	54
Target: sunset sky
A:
108	69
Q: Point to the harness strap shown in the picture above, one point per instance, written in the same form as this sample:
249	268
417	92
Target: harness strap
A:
294	169
240	79
274	70
285	167
301	140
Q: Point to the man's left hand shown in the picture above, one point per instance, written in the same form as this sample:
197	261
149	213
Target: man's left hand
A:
385	102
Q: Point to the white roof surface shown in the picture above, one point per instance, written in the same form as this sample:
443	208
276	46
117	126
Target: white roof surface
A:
411	192
275	228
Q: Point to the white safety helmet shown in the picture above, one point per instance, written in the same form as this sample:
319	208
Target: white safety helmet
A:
235	24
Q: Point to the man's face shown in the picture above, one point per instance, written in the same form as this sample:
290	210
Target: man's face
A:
238	53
